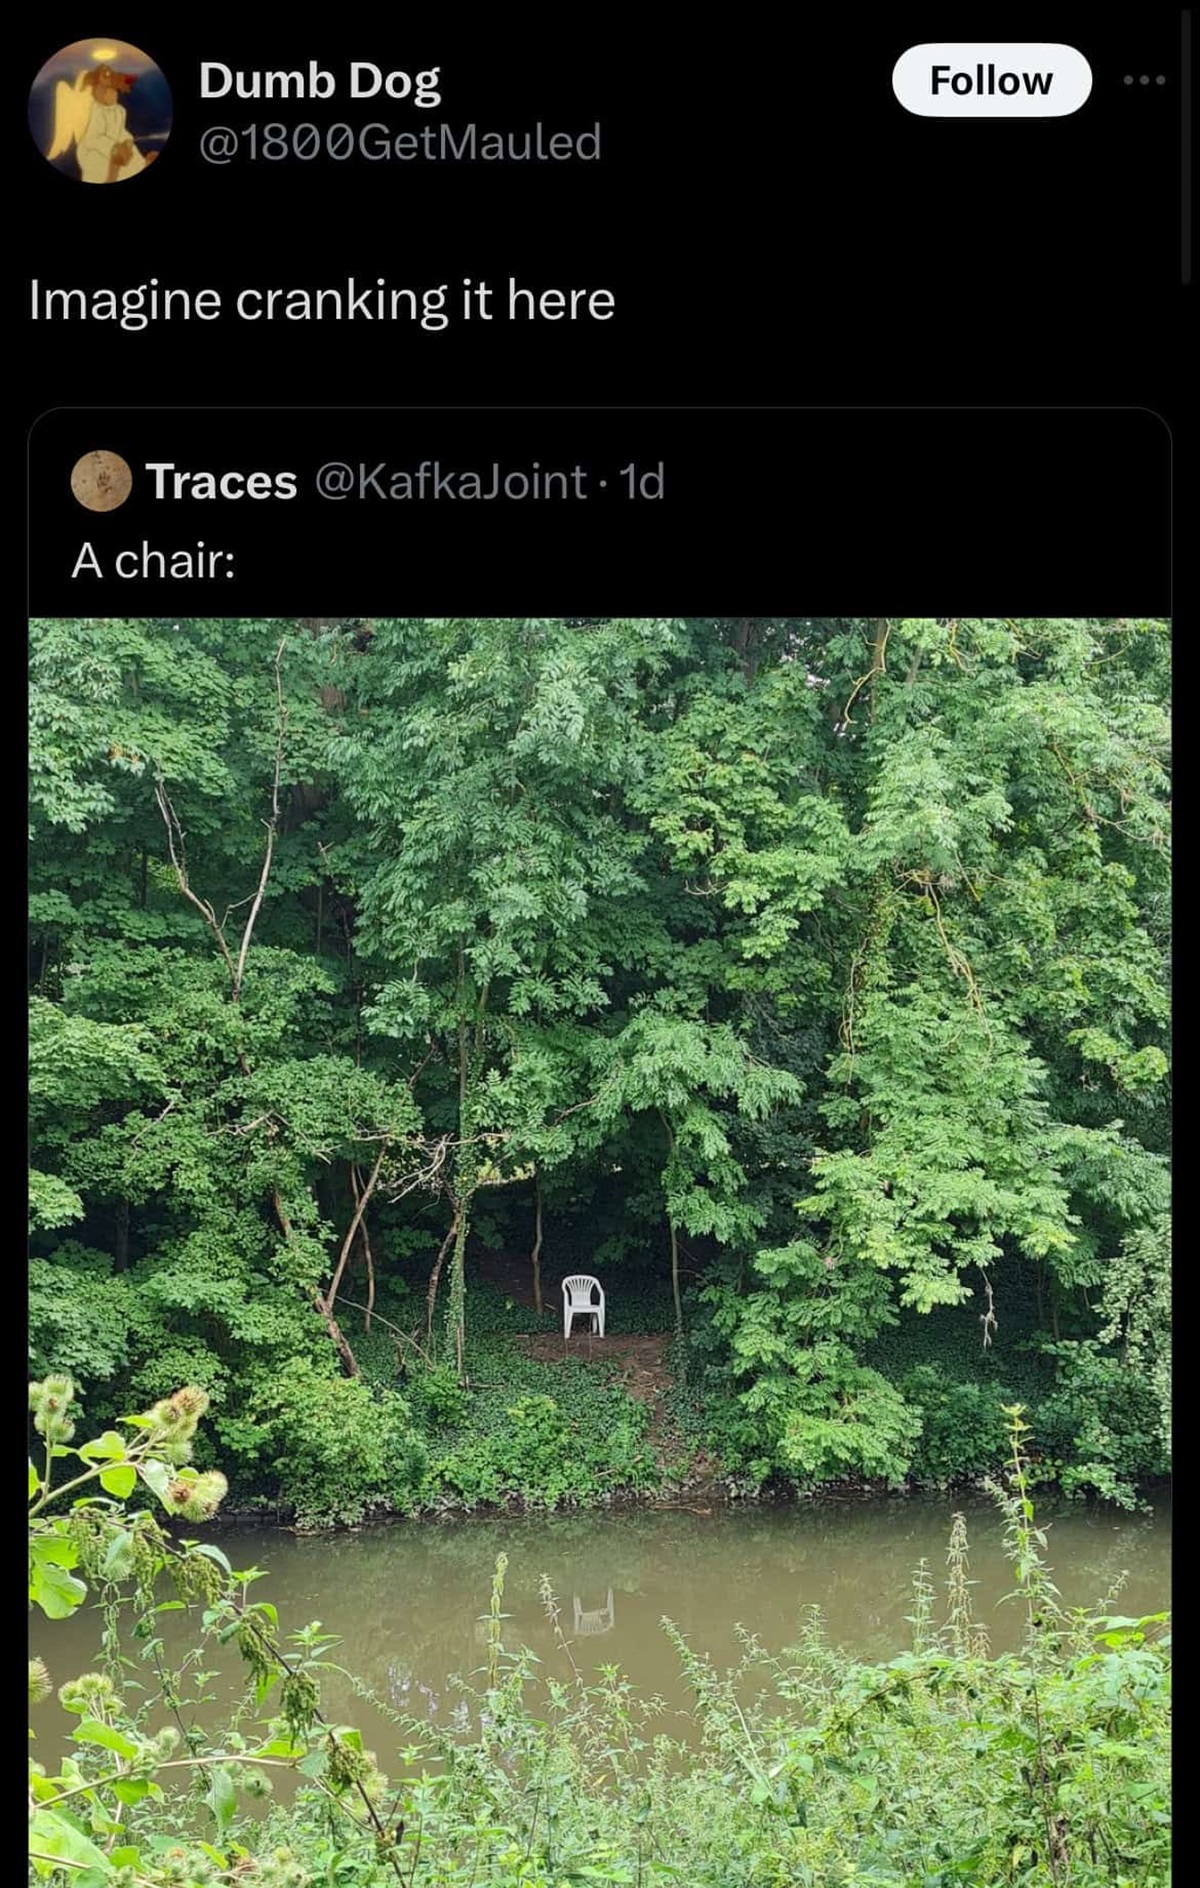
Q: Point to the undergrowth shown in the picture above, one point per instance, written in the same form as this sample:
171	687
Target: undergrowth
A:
1047	1767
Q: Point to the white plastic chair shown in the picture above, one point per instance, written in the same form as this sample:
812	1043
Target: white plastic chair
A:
577	1302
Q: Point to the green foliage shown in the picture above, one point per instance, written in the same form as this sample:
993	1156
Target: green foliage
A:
79	1314
439	1399
541	1434
105	1816
1136	1307
95	1536
1049	1764
337	1450
961	1157
962	1426
816	964
828	1418
1100	1431
799	1402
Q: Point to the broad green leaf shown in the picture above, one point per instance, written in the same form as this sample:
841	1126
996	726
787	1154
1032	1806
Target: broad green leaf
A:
52	1836
282	1747
211	1553
53	1549
57	1592
119	1481
157	1477
110	1447
132	1789
221	1797
92	1731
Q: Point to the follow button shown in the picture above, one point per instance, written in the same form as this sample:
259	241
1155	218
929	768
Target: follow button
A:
970	80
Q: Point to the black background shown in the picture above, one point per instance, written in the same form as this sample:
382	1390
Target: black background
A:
777	232
952	510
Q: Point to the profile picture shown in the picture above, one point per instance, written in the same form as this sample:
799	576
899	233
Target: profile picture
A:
100	111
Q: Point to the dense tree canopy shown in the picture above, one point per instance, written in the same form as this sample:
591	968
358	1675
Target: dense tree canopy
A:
816	969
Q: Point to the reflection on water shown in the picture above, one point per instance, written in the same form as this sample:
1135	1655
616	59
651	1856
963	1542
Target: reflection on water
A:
601	1619
409	1601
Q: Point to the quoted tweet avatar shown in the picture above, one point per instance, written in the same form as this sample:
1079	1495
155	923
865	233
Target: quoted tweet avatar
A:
100	111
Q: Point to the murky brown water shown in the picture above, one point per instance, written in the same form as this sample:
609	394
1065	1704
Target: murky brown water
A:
407	1600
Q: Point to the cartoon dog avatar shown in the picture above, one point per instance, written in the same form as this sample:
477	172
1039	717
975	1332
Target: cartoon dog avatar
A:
90	118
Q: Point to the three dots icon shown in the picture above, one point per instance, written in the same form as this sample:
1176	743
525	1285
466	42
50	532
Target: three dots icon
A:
1143	78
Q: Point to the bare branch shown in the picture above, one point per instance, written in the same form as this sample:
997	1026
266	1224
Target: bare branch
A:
883	630
364	1234
435	1275
272	826
248	1127
175	846
158	1117
404	1337
364	1196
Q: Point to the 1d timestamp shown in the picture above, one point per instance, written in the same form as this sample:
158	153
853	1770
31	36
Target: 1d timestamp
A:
641	481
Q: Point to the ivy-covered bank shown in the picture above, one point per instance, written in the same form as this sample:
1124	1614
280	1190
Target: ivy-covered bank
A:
804	979
643	1414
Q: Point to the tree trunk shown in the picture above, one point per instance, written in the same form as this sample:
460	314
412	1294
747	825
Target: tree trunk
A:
364	1239
535	1256
879	658
325	1301
324	1307
456	1309
467	1163
337	1337
673	1230
121	1254
435	1275
745	644
456	1316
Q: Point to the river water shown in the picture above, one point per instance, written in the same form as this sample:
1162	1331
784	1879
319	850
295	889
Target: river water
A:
407	1600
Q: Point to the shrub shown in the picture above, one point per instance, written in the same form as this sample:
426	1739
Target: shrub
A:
439	1400
962	1426
337	1450
819	1416
1100	1431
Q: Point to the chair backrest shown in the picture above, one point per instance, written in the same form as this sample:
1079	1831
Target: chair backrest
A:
579	1288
